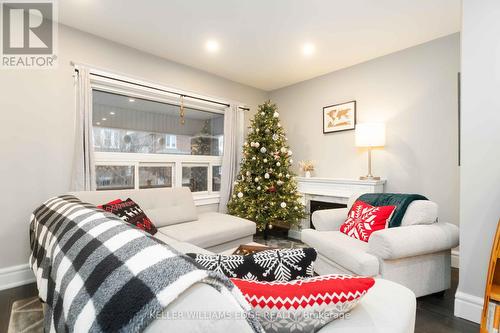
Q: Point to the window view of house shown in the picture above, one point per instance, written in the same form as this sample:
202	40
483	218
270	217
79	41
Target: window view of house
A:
134	129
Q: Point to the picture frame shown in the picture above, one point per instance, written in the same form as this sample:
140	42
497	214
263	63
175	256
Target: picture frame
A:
339	117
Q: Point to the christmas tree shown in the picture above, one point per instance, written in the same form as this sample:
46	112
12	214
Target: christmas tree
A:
265	190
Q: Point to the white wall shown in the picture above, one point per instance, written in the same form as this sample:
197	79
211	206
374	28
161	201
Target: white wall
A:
37	124
480	170
414	92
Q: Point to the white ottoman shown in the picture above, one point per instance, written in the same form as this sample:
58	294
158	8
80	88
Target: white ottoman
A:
387	308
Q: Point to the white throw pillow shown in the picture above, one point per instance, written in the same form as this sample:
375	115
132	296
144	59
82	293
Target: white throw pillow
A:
420	212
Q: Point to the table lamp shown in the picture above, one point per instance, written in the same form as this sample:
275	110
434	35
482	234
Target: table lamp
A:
370	135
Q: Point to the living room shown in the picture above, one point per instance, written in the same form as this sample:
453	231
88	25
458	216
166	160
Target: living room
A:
200	145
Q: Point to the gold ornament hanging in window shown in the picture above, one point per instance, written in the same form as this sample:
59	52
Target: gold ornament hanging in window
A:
183	121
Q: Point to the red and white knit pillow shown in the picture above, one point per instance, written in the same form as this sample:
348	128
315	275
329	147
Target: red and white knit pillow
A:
363	219
303	305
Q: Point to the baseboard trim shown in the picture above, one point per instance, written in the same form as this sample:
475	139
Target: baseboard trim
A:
455	255
468	306
15	276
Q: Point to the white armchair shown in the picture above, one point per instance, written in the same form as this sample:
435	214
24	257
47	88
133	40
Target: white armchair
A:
417	254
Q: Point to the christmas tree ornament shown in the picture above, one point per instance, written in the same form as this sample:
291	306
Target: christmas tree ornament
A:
256	179
258	188
276	114
257	145
278	164
264	160
257	130
240	195
263	150
275	137
266	175
248	173
254	158
283	205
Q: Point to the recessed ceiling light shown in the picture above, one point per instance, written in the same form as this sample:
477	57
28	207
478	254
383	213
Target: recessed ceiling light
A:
212	46
104	119
98	123
308	49
112	113
131	100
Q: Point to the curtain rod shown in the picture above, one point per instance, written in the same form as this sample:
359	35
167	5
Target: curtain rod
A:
167	91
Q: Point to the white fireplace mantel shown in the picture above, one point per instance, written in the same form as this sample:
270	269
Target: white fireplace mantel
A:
337	187
334	190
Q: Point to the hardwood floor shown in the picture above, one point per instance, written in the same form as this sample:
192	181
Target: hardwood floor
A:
434	313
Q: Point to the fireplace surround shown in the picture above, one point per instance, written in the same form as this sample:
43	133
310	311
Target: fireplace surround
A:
326	193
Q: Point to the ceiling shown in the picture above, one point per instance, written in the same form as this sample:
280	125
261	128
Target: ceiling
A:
261	41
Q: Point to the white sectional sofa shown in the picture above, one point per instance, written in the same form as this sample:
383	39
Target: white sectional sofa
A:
174	213
416	255
387	308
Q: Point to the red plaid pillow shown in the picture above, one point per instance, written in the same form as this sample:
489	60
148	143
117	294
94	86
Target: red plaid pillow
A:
130	212
305	304
363	219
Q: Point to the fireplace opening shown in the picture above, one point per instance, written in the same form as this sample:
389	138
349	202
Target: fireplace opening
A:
315	205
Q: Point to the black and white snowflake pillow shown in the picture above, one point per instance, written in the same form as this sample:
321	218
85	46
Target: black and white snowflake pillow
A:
270	265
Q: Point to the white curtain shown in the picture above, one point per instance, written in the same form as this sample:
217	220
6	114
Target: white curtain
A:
83	166
233	142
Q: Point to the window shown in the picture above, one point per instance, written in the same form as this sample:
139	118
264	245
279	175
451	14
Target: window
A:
216	178
195	177
145	143
155	176
115	177
133	125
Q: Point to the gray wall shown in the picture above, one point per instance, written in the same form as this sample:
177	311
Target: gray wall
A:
37	124
414	92
480	170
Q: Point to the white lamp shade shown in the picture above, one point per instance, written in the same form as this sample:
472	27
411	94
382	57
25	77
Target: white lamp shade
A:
370	135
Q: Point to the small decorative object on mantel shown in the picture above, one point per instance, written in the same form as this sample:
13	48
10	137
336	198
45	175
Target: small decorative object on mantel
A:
339	117
370	135
306	167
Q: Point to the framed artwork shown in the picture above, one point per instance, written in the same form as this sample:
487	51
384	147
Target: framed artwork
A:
339	117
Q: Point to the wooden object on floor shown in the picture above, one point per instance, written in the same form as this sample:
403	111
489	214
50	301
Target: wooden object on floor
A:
250	249
492	290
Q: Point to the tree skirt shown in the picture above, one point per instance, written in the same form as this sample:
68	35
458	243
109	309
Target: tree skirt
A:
26	316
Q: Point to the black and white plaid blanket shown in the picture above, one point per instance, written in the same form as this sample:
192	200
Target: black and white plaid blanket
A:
99	274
